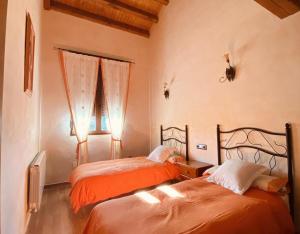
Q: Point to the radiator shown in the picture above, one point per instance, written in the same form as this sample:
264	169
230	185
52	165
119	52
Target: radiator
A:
37	173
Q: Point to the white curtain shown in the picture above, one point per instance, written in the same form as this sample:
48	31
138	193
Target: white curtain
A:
80	73
115	77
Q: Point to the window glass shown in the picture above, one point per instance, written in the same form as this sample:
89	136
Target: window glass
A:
99	121
105	123
93	126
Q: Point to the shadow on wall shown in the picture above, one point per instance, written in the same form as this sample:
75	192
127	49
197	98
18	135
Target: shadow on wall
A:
239	52
135	143
99	147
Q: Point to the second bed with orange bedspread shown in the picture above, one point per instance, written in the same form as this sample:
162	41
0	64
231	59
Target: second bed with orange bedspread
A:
99	181
193	206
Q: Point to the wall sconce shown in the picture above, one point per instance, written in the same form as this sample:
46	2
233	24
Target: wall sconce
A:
166	91
230	71
167	88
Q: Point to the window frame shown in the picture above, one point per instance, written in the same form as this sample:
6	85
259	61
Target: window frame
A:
97	109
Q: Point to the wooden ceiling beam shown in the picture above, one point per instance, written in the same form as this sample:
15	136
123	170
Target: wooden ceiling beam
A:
132	10
47	4
281	8
61	7
164	2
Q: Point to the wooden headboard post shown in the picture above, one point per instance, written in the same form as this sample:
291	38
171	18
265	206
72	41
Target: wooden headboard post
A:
161	135
187	143
290	166
219	144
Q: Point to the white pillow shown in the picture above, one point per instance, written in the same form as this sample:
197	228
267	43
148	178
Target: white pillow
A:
236	175
210	170
161	153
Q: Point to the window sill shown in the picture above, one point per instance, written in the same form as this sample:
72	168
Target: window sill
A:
94	133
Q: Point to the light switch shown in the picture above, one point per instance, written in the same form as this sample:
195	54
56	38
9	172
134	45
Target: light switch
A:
201	146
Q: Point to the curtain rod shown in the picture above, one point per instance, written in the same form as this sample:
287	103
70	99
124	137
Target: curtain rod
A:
94	55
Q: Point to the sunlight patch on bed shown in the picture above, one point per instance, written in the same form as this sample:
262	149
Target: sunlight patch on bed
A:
171	192
147	197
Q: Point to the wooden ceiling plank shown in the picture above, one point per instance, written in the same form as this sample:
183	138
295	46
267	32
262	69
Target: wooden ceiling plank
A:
47	4
273	8
290	6
280	8
132	10
97	18
164	2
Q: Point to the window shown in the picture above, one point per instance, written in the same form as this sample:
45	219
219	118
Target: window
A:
99	121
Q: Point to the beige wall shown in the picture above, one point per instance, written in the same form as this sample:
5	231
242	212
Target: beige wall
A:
20	126
61	29
3	10
189	43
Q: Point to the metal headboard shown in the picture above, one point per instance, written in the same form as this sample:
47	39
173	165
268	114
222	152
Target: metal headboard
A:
176	137
272	150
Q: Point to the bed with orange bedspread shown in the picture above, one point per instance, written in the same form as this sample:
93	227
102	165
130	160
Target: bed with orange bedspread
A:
199	207
99	181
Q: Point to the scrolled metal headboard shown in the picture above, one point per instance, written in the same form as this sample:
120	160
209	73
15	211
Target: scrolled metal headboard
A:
270	147
176	137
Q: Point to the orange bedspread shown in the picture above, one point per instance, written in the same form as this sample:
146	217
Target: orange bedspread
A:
200	207
94	182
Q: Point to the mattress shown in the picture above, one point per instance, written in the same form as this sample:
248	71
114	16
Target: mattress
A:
99	181
192	206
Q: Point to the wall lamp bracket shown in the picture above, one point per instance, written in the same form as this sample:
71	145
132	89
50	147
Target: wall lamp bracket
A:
229	72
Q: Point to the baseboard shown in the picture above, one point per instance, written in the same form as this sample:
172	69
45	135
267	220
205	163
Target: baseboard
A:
49	186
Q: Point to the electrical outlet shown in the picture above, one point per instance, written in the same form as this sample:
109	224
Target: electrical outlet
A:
74	163
201	146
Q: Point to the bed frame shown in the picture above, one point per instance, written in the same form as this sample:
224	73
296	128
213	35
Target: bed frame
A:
271	149
176	137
